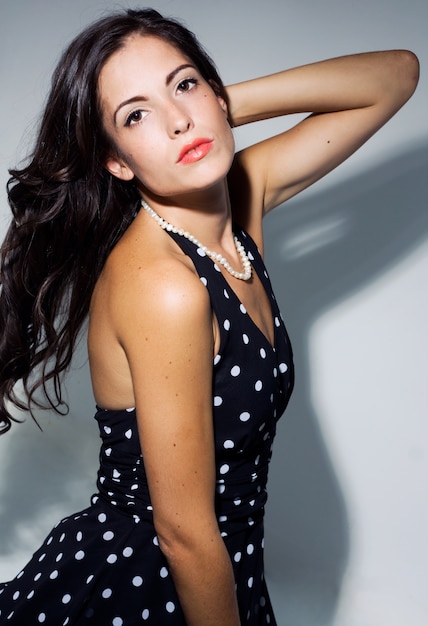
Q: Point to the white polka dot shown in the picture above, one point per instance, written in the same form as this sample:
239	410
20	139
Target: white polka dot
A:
54	574
117	621
102	517
156	541
258	386
128	433
107	430
263	353
245	339
145	614
226	325
127	552
201	252
235	371
218	401
108	451
283	367
116	473
226	295
228	444
41	617
66	598
204	281
170	607
243	309
61	539
16	595
49	541
224	469
237	501
216	267
108	535
89	579
250	582
217	359
38	576
163	573
41	557
79	555
79	536
277	322
245	416
221	489
250	548
137	581
112	558
275	372
30	595
222	518
262	601
237	557
107	593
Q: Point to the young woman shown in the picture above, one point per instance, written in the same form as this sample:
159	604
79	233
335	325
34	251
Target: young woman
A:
134	209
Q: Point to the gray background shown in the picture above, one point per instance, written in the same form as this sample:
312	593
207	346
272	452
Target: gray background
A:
347	517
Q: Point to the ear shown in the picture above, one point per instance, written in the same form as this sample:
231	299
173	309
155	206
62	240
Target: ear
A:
221	97
219	93
117	167
223	105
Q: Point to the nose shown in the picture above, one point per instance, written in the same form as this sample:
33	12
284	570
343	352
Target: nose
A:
179	121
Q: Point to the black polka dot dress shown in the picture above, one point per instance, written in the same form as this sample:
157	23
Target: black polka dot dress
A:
103	566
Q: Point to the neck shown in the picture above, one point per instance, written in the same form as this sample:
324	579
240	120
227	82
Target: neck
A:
207	215
242	274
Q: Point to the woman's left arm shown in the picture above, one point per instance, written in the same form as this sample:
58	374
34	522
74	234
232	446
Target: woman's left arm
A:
349	99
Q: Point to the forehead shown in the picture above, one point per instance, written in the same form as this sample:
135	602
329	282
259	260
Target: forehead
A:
144	60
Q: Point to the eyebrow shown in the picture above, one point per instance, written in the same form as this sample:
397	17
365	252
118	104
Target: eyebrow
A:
168	80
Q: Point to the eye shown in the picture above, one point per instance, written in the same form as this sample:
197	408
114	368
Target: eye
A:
187	84
135	117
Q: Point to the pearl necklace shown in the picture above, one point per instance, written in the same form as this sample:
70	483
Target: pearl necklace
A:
214	256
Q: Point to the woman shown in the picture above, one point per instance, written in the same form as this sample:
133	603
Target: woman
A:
190	362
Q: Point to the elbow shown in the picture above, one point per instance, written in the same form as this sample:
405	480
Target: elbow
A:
408	72
178	540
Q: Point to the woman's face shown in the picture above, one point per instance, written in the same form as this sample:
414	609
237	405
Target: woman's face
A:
170	129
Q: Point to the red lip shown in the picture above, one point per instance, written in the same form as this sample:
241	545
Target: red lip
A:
195	150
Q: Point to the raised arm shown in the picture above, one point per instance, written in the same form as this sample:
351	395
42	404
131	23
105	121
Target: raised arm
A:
349	99
168	340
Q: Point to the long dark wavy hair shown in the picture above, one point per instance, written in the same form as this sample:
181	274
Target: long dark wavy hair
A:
68	213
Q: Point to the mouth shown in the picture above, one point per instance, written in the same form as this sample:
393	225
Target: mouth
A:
195	151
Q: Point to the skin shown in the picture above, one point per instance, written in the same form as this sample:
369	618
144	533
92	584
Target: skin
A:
155	352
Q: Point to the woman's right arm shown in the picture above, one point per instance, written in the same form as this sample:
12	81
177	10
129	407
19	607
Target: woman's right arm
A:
168	340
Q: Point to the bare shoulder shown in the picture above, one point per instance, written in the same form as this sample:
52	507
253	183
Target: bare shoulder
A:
148	308
144	286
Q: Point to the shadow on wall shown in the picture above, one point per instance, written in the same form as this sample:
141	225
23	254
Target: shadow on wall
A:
321	250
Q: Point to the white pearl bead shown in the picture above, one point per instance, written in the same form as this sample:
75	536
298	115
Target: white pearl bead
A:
214	256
